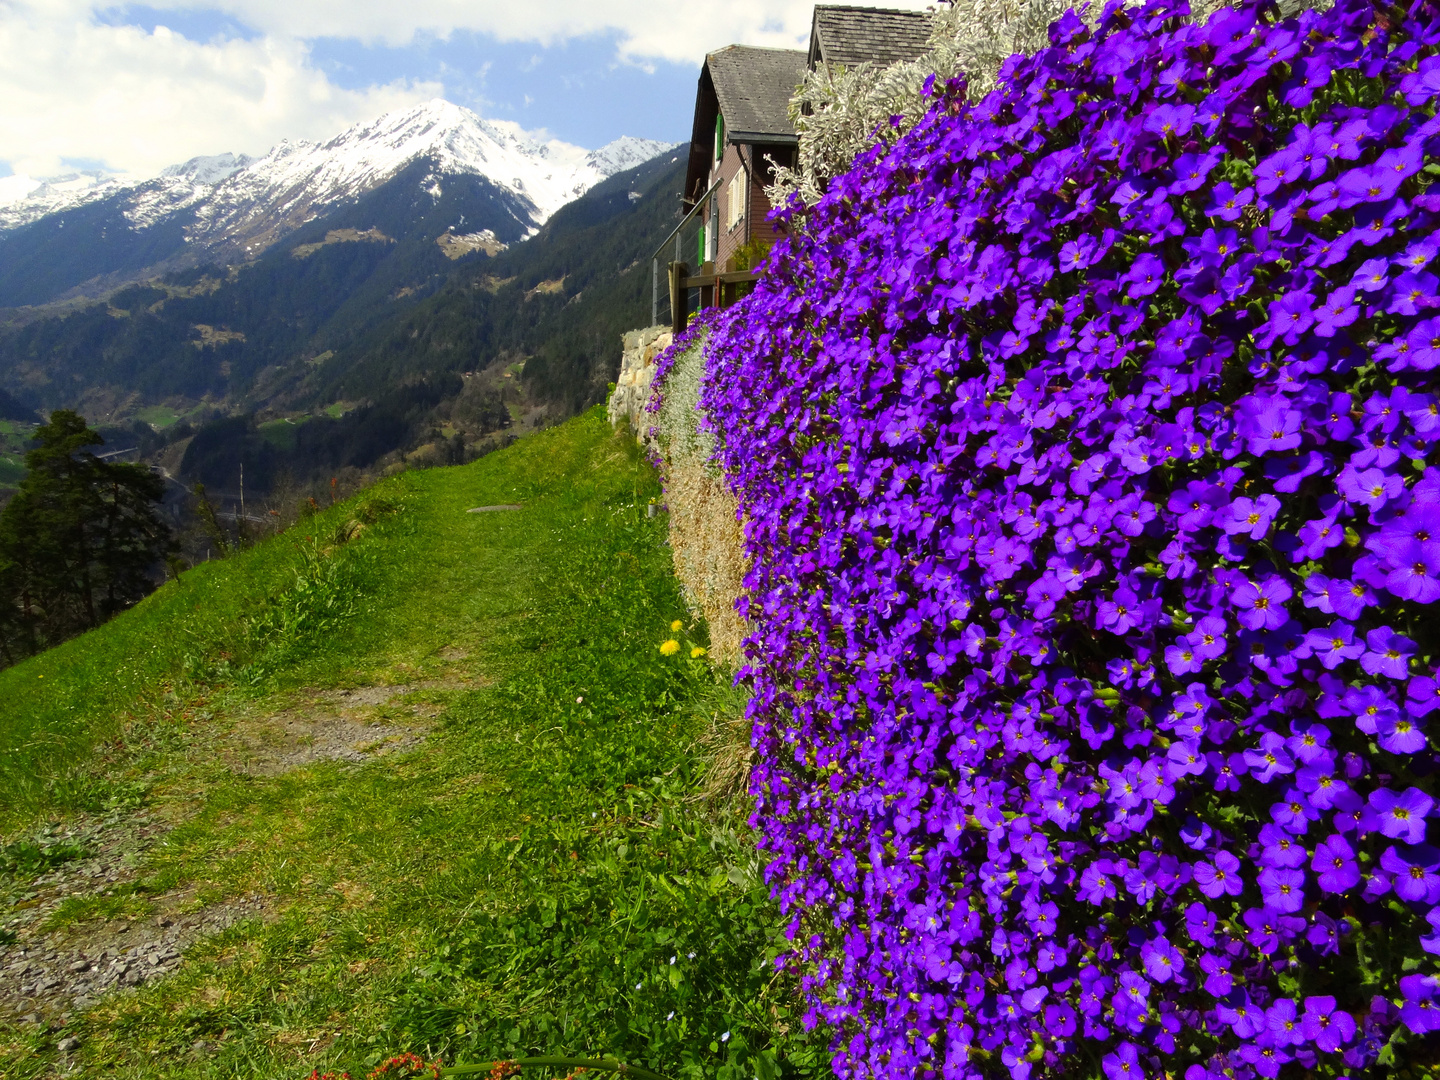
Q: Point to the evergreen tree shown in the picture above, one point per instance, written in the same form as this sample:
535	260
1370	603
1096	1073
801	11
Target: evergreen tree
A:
79	540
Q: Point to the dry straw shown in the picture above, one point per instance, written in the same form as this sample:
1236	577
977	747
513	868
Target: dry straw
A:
705	536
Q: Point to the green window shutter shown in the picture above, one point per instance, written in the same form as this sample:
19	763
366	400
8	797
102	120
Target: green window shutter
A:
700	251
719	137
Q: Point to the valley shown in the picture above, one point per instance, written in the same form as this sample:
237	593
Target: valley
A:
437	296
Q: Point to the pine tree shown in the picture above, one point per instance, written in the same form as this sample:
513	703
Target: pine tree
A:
79	541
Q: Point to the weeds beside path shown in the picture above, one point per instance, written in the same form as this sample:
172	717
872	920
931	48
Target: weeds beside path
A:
436	767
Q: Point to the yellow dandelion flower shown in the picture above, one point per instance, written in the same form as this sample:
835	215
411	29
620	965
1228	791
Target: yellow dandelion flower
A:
669	648
697	650
675	626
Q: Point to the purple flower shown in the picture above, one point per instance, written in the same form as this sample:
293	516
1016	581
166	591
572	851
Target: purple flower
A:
1319	536
1431	943
1208	638
1290	316
1416	573
1334	864
1389	653
1372	184
1295	812
1336	311
1419	254
1283	1022
1250	517
1168	120
1243	1016
1162	960
1196	505
1228	204
1372	275
1145	276
1121	613
1402	816
1123	1064
1401	734
1349	599
1280	849
1220	877
1369	487
1326	1026
1423	83
1181	660
1370	706
1271	759
1281	889
1262	603
1419	1013
1334	644
1268	424
1411	293
1097	883
1413	873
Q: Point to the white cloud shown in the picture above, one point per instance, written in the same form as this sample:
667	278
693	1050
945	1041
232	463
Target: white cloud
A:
73	88
656	29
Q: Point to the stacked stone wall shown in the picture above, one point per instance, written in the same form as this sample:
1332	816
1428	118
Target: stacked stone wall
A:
641	348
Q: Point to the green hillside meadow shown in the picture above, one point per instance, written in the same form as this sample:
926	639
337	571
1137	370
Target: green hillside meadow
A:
431	776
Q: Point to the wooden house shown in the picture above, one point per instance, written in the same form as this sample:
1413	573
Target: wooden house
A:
742	131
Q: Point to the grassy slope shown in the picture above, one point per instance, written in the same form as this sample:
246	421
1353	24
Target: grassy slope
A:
536	876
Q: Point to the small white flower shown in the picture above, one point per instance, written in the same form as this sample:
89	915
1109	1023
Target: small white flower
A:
673	959
725	1037
639	984
689	956
671	1016
580	699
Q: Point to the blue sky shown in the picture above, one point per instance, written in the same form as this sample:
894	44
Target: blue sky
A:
133	88
577	90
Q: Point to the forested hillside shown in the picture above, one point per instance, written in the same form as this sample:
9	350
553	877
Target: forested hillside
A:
356	330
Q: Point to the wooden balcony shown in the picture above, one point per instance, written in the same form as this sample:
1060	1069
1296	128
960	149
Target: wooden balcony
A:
717	289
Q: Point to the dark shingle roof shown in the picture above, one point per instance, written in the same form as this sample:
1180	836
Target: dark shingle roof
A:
754	87
852	35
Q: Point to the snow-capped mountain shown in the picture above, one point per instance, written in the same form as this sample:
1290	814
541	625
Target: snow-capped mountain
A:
257	204
243	205
24	199
211	169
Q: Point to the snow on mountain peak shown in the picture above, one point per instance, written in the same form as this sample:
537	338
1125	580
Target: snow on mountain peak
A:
210	169
625	153
246	204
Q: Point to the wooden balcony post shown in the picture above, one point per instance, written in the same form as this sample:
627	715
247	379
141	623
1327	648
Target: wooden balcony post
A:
679	313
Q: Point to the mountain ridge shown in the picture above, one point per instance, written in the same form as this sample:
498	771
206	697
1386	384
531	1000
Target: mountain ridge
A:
227	208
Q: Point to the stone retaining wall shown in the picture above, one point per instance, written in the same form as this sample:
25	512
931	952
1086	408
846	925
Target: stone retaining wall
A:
637	368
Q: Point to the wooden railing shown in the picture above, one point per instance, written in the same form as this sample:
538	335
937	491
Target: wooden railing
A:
723	287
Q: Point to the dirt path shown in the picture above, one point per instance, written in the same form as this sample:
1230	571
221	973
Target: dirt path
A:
84	929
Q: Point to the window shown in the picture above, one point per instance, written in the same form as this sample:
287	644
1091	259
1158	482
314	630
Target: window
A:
738	199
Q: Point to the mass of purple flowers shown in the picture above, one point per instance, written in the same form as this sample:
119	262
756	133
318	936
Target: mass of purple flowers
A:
1086	443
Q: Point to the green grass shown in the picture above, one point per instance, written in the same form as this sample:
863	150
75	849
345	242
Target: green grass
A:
538	876
12	470
279	433
158	416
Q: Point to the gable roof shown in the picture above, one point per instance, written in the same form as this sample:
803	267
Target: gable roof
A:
751	88
853	35
754	87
